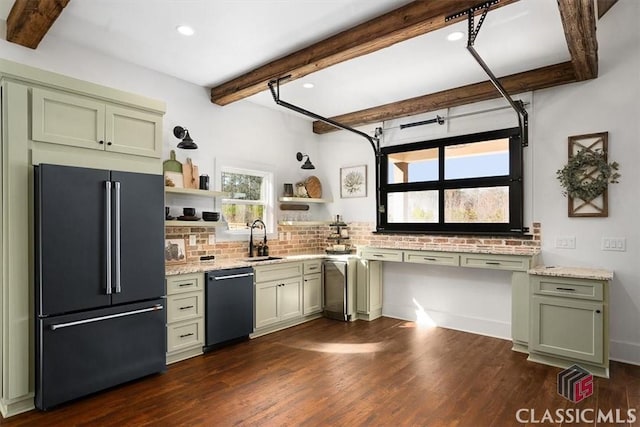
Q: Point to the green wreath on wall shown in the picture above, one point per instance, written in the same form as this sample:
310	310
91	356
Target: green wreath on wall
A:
587	174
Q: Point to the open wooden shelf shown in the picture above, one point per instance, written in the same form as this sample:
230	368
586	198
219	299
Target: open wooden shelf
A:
207	224
194	192
303	200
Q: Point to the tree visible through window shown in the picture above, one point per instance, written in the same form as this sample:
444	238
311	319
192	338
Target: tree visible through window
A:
470	183
248	198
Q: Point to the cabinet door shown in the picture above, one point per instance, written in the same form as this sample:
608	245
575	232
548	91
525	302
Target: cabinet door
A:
567	327
266	303
131	131
312	294
290	299
61	118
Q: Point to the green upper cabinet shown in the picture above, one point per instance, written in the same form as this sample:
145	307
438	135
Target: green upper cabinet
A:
80	121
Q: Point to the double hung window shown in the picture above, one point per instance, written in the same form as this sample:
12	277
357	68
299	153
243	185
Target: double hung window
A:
249	197
470	183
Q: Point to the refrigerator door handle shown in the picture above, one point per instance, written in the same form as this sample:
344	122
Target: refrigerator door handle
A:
117	237
107	223
101	318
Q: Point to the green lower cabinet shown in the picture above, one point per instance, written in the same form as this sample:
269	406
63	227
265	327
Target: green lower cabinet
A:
569	323
312	294
568	328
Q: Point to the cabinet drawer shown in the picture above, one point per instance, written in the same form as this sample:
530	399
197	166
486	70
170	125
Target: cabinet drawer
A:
310	267
185	283
566	287
185	306
382	255
277	272
426	257
496	262
185	334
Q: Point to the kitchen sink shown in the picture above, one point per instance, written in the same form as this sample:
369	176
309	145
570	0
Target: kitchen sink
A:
262	258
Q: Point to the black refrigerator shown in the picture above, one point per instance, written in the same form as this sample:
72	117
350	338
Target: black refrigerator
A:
99	280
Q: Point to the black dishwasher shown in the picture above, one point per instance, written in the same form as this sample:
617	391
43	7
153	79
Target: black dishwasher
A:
228	306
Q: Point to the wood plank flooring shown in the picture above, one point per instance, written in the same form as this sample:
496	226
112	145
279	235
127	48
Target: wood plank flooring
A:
328	373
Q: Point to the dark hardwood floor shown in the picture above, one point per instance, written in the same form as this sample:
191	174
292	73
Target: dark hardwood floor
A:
381	373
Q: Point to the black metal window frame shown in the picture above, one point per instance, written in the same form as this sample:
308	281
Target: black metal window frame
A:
514	181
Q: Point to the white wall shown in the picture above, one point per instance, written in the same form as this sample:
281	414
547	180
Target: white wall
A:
239	134
479	301
462	298
609	103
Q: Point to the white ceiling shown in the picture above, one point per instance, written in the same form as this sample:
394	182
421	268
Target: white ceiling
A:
234	36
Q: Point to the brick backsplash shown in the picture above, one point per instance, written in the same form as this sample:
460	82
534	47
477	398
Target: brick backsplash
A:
313	239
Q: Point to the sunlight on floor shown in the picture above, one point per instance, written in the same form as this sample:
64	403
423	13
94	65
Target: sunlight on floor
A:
338	348
423	320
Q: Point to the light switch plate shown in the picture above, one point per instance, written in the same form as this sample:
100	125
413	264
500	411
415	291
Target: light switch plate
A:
566	242
618	244
192	239
212	239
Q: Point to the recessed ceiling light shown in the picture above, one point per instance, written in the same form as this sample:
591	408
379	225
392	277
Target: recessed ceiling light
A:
308	85
457	35
185	30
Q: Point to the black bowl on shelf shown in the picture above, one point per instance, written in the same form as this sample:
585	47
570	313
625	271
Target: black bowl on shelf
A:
210	216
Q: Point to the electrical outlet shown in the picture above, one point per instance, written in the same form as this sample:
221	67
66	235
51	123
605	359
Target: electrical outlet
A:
281	236
192	239
566	242
212	239
288	235
614	244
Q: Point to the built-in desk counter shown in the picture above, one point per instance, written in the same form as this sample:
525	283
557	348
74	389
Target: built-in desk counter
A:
473	257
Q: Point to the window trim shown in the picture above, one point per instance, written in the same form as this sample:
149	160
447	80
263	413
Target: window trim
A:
514	180
269	202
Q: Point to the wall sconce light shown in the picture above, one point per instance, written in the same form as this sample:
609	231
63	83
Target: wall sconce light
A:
307	164
186	143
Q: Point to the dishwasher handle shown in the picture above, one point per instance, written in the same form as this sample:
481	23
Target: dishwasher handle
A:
231	276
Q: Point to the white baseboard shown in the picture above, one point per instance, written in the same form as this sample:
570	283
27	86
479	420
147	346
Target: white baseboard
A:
480	326
9	408
626	352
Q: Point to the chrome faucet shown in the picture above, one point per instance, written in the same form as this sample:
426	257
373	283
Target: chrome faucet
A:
254	225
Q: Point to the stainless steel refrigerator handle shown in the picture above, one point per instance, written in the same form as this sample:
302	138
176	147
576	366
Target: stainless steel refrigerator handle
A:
101	318
107	221
232	276
117	239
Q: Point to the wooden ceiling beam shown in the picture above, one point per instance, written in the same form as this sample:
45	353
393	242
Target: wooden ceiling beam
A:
541	78
579	22
414	19
29	20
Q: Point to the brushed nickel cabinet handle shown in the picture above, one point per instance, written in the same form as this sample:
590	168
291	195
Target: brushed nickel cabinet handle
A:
566	289
186	335
492	263
430	259
185	284
186	307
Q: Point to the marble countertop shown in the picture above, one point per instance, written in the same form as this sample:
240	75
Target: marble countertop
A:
490	250
574	272
202	266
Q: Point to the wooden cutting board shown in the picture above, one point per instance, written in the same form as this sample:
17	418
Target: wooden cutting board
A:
172	165
190	174
313	186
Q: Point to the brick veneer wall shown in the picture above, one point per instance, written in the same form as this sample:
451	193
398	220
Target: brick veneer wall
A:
313	239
